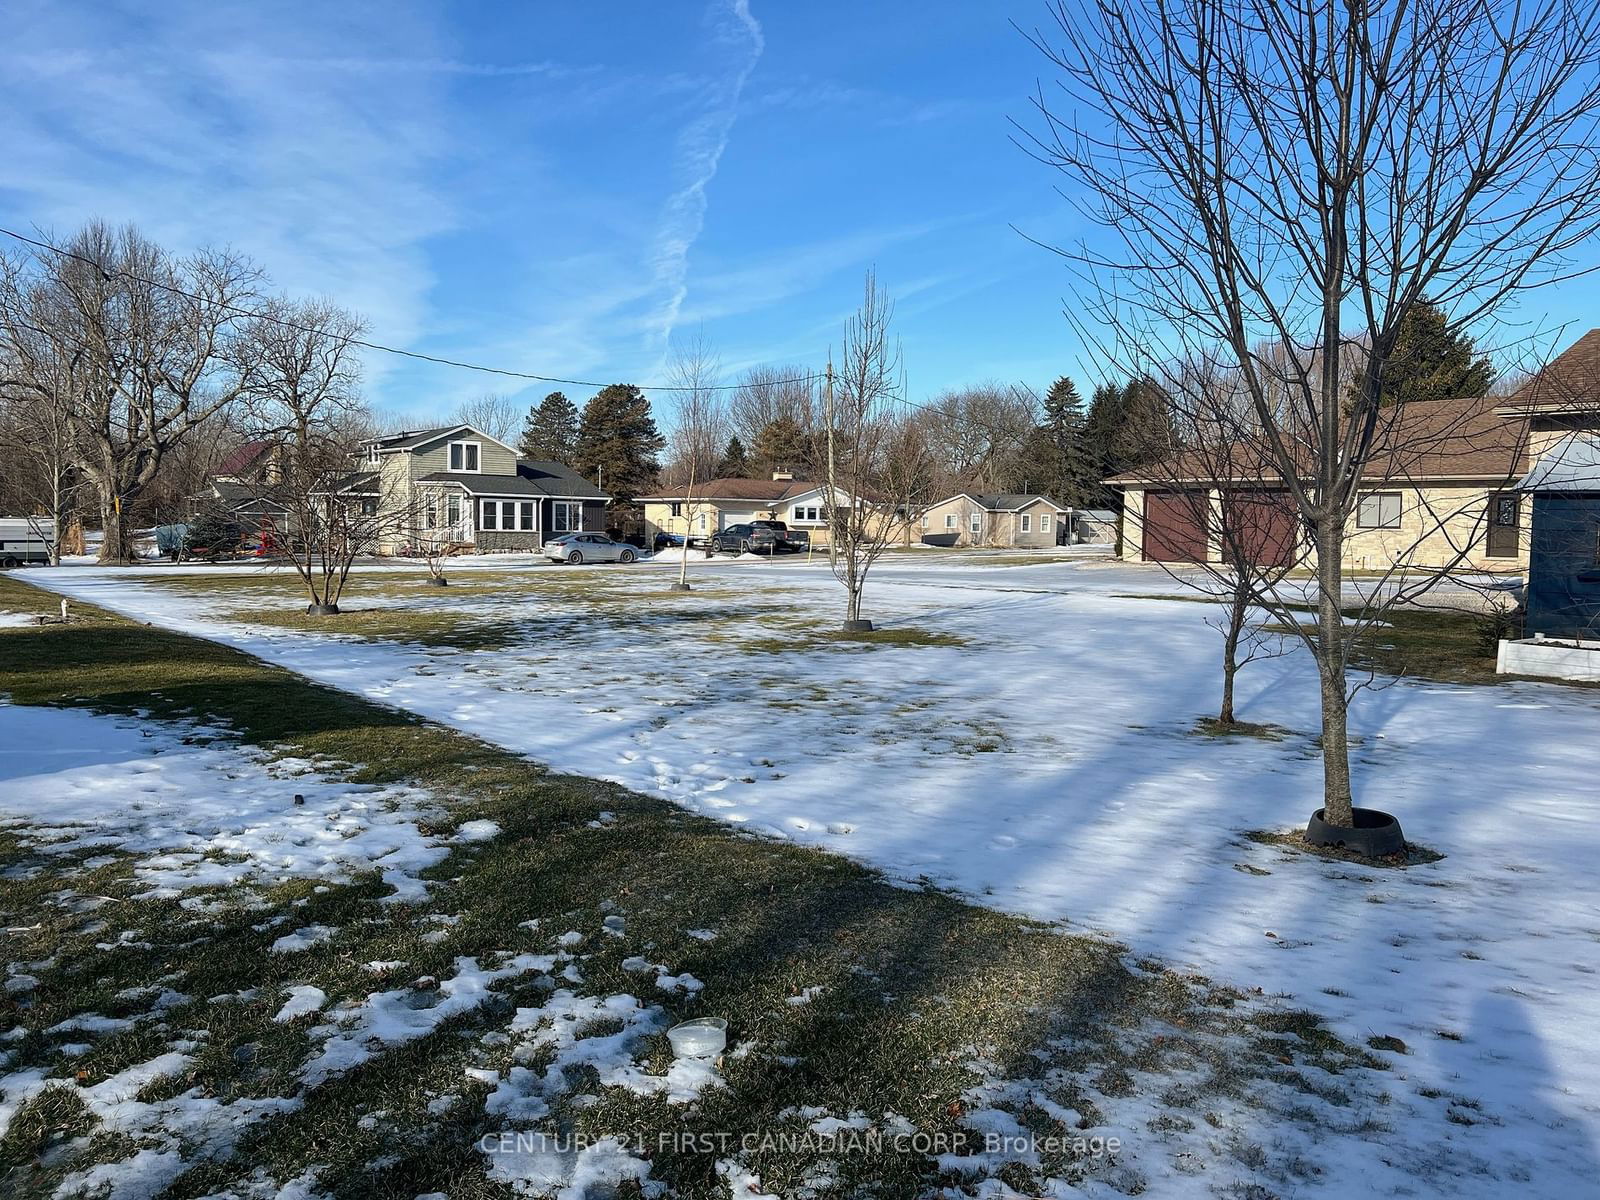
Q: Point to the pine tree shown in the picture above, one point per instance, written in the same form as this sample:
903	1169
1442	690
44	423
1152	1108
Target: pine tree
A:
1147	434
734	463
551	431
618	442
1057	459
1432	361
1101	430
781	446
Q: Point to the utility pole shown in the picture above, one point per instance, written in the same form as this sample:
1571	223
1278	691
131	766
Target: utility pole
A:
833	521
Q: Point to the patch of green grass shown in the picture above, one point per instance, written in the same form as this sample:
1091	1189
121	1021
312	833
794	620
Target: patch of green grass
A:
910	979
1214	728
435	627
1295	841
806	642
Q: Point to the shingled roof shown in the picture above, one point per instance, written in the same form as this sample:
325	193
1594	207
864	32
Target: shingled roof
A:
772	490
1468	438
1570	382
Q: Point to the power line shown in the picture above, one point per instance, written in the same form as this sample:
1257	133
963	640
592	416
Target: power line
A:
378	346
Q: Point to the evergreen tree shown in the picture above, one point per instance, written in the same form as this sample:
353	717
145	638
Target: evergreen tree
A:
780	446
734	463
1431	361
1057	459
1101	430
618	442
1127	427
551	431
1147	433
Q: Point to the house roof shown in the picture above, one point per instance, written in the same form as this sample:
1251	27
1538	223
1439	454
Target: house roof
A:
411	439
743	489
1005	501
532	479
1571	465
1105	516
238	496
1464	438
1571	381
246	455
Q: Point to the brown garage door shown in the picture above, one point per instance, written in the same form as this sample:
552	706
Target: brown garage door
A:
1265	525
1173	531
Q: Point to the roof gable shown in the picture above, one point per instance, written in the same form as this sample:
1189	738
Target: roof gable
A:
421	438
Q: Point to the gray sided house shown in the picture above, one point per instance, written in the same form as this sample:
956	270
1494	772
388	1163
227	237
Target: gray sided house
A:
1025	520
1564	553
469	489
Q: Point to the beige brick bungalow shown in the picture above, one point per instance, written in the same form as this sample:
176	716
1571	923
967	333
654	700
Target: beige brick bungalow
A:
719	503
1441	490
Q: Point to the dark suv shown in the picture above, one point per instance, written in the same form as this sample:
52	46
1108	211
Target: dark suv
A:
759	537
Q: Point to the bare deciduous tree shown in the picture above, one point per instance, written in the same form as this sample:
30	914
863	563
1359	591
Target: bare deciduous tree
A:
329	512
877	465
138	344
982	432
698	428
1306	173
307	372
41	475
768	394
498	416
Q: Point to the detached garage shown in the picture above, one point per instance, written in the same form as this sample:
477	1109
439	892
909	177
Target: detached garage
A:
1171	525
1174	526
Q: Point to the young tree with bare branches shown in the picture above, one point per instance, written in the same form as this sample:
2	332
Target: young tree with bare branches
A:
329	511
877	464
698	427
1306	174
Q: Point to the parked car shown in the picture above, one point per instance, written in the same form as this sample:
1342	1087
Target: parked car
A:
664	540
759	537
588	547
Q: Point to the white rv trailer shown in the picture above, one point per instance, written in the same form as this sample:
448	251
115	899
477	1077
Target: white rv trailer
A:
25	540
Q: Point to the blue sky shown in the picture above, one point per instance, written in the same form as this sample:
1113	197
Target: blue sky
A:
563	187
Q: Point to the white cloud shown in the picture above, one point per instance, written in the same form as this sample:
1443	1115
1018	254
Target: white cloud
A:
164	122
700	148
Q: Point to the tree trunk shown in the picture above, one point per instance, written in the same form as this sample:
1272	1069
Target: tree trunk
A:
58	515
1230	655
113	538
1336	798
852	610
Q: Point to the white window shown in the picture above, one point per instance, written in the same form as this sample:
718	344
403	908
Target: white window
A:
1044	522
924	520
566	515
1379	510
702	522
464	456
807	514
677	508
430	511
1027	523
452	509
949	520
975	523
507	515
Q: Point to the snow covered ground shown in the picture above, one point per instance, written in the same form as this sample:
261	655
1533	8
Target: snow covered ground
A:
1048	766
210	821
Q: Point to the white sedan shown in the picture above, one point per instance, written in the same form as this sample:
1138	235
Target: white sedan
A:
588	547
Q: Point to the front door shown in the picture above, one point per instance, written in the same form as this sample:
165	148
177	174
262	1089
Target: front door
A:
1504	539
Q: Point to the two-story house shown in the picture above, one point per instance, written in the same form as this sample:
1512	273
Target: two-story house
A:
467	487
